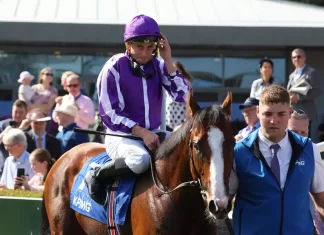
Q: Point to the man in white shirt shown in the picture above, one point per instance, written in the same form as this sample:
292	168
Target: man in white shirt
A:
15	142
86	114
298	123
274	171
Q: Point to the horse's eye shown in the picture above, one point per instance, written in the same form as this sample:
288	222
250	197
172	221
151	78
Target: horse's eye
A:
196	147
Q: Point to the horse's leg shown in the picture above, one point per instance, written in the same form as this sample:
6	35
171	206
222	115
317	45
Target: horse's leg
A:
90	226
62	218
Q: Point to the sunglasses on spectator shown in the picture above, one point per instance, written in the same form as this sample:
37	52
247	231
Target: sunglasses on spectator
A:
73	85
48	74
296	57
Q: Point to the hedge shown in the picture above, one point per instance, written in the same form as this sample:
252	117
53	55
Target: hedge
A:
21	193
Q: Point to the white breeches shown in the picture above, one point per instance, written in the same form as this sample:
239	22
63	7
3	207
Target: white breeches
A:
137	158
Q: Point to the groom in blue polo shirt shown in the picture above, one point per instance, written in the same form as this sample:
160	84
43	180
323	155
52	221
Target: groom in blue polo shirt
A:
274	171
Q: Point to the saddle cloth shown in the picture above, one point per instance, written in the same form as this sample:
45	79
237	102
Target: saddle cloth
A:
115	210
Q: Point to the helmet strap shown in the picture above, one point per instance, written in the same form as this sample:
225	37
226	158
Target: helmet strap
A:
138	71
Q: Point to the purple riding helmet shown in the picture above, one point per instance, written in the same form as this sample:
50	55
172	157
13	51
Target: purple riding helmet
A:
142	28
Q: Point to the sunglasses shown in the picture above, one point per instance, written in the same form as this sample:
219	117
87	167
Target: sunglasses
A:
48	74
296	57
72	85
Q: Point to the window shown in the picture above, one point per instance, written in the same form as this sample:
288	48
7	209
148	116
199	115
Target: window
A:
241	72
92	65
59	63
9	68
206	71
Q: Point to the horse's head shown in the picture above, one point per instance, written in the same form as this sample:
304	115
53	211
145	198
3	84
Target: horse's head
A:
211	153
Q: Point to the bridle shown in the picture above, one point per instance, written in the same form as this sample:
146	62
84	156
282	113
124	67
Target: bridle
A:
193	183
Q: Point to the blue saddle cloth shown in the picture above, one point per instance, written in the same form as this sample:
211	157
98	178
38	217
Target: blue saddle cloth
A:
81	202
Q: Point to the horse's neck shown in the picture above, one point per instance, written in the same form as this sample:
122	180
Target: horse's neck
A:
175	168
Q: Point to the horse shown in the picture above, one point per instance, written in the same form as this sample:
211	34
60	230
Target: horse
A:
184	192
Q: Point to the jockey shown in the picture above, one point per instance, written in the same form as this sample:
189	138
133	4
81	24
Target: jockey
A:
130	102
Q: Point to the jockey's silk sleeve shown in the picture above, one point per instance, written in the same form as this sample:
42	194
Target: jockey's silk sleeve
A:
175	84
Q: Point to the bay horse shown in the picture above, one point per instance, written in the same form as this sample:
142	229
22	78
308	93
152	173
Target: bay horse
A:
200	151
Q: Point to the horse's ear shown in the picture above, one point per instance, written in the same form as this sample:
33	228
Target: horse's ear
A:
192	105
227	104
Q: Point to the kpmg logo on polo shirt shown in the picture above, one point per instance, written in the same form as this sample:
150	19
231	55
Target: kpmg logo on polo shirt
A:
300	162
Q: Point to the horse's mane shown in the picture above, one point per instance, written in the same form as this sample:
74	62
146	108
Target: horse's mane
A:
206	116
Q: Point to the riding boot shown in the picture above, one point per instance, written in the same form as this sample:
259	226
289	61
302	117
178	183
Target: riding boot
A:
96	180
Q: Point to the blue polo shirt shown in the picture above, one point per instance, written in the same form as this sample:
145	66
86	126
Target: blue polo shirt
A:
70	139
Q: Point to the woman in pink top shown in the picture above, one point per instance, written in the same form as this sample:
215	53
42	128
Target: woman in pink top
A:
41	162
44	92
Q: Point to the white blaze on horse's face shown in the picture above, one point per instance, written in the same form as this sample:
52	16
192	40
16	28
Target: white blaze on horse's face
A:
218	191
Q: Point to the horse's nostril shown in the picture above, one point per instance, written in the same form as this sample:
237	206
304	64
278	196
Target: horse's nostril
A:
212	207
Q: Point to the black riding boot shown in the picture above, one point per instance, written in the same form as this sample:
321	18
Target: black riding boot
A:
96	180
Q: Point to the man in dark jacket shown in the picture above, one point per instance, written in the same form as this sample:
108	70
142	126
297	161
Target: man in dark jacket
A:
37	119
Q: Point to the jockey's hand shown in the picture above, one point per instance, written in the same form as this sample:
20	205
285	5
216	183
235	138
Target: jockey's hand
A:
151	140
165	49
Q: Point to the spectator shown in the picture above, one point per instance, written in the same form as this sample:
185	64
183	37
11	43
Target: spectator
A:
176	111
25	92
45	92
249	111
37	119
64	77
15	142
66	114
303	71
298	123
266	71
41	162
19	111
86	113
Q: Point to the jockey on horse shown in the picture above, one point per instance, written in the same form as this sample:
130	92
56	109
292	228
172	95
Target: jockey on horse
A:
130	102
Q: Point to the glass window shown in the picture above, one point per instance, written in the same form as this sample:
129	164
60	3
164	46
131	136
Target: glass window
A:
206	71
241	72
92	65
59	63
9	68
